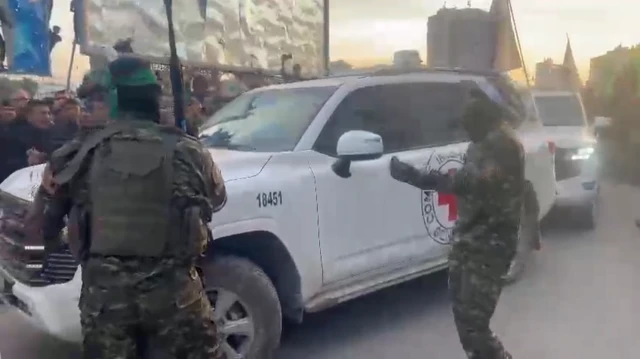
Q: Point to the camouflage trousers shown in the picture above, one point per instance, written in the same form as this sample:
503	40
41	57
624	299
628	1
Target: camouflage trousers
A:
119	322
475	285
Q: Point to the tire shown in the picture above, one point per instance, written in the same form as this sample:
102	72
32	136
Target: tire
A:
255	304
528	237
587	215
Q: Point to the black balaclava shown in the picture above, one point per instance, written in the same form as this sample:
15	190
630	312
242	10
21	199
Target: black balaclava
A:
481	115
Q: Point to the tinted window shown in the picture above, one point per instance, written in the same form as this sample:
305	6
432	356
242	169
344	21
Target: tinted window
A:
560	110
407	116
265	121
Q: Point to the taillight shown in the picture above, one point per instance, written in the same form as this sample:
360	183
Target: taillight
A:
552	147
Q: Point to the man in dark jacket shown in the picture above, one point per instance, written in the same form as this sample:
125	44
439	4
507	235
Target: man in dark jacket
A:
490	193
138	196
65	123
25	141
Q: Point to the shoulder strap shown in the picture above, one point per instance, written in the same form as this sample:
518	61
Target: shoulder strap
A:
91	142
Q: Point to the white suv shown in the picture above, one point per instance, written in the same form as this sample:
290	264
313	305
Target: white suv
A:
313	217
576	162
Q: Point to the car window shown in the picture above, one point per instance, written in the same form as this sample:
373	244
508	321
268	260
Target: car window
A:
519	109
560	110
271	120
406	116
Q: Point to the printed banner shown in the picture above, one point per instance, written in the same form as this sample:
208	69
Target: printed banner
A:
30	37
228	34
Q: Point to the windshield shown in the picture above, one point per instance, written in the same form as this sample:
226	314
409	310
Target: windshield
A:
265	121
560	110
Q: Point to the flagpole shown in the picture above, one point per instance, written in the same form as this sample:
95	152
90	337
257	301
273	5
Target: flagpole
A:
73	56
515	30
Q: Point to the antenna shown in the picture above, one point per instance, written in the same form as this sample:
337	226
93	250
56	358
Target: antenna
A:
469	3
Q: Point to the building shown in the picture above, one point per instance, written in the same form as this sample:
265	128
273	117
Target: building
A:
604	67
550	76
461	38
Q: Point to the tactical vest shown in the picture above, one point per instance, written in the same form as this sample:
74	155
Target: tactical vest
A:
130	177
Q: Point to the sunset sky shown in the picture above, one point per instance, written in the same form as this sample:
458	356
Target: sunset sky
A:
365	32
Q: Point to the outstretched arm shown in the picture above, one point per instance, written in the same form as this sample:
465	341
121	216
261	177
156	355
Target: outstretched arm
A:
425	180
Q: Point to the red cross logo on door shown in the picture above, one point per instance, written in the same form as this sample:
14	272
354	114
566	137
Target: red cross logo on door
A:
449	200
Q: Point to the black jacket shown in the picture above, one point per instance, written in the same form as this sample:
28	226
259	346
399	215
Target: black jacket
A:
15	140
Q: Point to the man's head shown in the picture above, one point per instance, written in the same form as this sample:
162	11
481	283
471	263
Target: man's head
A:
69	111
297	71
19	99
124	46
38	114
60	97
200	85
56	29
480	114
136	88
7	112
98	112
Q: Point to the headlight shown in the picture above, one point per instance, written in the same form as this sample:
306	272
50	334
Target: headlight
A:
583	153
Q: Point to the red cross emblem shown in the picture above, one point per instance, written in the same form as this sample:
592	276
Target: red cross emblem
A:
449	200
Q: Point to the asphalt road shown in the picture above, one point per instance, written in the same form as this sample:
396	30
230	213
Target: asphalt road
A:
578	299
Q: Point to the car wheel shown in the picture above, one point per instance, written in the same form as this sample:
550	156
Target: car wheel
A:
528	238
246	307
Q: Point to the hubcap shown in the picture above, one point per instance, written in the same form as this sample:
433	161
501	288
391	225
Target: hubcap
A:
234	323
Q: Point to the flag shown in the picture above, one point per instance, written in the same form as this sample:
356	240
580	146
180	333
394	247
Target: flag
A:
506	53
569	63
202	7
30	51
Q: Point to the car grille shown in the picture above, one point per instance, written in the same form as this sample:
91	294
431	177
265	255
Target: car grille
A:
566	167
27	262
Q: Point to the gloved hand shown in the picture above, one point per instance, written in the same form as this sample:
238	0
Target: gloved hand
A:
399	170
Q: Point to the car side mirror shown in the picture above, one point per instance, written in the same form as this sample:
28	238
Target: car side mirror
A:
356	146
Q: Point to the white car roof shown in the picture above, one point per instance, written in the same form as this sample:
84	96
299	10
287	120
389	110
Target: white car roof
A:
371	79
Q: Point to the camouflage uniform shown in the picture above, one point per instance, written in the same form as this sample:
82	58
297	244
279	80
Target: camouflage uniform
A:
490	191
138	305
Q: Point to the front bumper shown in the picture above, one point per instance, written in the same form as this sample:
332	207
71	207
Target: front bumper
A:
576	191
53	308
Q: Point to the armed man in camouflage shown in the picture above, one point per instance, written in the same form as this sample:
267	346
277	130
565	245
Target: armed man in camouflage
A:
490	191
138	196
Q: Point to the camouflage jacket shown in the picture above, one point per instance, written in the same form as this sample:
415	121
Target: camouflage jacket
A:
489	187
491	201
195	176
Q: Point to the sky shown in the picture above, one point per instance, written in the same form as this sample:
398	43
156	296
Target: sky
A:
366	32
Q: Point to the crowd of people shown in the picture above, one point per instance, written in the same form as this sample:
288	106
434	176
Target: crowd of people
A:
31	129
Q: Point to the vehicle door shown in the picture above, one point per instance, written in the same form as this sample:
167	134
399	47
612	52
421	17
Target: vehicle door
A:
369	222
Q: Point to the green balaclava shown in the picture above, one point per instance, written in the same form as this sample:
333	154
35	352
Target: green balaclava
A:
131	72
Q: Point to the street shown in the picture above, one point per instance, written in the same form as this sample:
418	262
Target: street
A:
578	299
